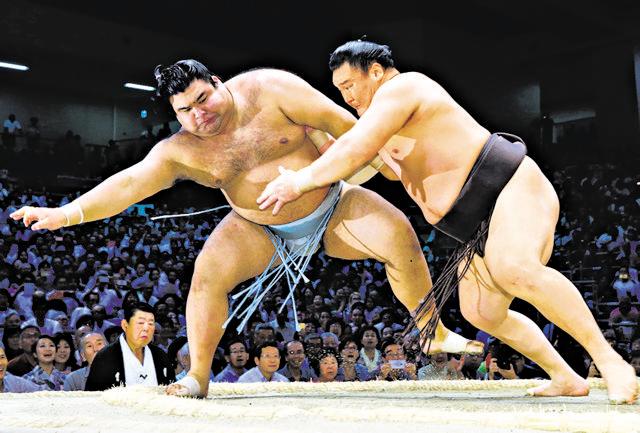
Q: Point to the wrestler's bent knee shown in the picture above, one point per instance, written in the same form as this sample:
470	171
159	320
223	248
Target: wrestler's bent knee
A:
515	275
482	319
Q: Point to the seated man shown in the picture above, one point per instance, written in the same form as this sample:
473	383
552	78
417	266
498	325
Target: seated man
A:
131	360
394	365
236	355
24	363
295	369
184	359
439	368
267	359
234	137
477	187
624	319
90	345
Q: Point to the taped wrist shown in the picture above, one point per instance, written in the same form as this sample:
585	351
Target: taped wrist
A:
73	213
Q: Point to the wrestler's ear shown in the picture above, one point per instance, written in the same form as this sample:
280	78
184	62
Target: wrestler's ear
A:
376	71
216	80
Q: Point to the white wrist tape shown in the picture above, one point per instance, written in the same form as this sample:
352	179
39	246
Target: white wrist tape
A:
362	175
366	172
304	182
377	162
70	210
320	139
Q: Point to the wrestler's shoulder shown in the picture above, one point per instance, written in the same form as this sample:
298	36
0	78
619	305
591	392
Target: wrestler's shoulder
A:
263	77
173	145
411	79
416	84
180	137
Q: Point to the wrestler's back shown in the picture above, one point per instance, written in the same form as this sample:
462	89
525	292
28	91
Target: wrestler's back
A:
435	150
244	159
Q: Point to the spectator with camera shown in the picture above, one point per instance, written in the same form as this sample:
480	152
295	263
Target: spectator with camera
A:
394	365
506	363
624	286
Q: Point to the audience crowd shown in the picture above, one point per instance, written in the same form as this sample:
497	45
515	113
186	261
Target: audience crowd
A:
64	294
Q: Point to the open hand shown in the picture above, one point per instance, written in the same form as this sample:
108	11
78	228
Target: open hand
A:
44	217
280	191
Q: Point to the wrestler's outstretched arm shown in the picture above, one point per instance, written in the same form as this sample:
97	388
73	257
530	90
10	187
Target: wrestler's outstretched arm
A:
392	105
323	141
324	119
157	171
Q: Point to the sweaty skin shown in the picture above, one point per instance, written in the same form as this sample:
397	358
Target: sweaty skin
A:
235	135
431	143
430	146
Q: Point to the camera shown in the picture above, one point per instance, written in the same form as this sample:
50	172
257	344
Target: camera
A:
397	364
503	356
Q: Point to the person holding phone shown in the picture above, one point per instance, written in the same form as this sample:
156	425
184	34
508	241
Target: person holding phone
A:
395	365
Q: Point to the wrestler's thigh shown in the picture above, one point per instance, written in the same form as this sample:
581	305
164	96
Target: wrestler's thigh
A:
523	220
482	302
235	251
364	225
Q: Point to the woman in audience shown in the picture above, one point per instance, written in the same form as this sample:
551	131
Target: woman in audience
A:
337	326
11	383
44	373
64	362
326	365
370	356
350	370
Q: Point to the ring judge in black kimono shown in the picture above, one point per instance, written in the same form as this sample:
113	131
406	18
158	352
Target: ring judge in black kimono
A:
131	360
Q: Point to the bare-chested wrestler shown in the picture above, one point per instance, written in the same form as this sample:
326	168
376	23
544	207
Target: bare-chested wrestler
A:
478	187
234	136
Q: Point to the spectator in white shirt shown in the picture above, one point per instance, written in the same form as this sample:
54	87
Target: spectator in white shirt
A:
267	359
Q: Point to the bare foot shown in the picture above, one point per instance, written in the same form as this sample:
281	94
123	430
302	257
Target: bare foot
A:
622	384
571	386
189	386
